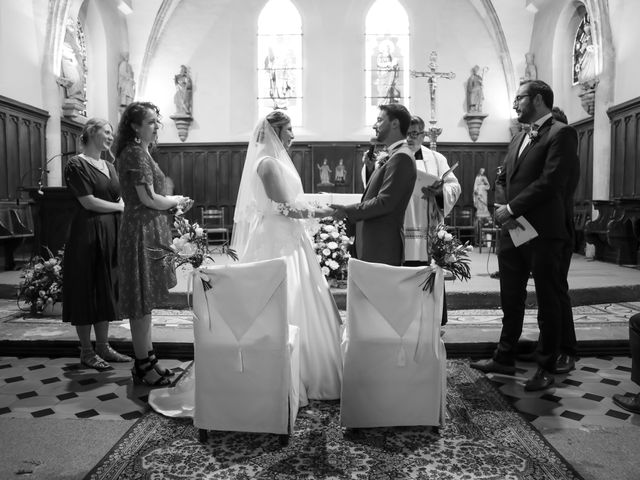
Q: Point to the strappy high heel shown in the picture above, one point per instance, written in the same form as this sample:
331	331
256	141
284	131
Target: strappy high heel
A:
143	372
165	372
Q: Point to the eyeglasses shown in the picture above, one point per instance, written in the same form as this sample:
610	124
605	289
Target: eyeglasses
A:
520	97
415	134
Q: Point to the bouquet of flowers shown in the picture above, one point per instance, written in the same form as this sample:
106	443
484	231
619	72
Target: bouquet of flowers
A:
331	244
41	283
190	246
448	253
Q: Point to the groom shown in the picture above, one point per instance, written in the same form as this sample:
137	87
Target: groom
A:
379	217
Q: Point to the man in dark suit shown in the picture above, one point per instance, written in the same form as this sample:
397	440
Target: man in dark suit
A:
538	177
379	217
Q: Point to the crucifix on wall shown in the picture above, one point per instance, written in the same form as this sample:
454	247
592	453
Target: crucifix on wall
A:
432	76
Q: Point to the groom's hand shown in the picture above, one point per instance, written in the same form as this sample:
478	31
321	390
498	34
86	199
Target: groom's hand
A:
339	211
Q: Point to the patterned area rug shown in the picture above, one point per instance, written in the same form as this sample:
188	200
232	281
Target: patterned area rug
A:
484	438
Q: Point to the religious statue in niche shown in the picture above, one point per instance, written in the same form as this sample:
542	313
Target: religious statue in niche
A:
183	100
475	94
530	69
340	176
126	84
73	71
481	187
184	91
325	174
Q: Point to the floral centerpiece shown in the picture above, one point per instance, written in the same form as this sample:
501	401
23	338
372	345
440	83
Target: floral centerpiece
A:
41	284
191	246
331	244
449	254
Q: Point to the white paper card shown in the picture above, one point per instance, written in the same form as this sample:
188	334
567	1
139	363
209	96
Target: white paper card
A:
520	236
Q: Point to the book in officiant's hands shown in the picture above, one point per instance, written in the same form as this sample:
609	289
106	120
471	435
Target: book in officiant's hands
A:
433	180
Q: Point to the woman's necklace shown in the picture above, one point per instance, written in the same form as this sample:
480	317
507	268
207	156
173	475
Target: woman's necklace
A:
97	163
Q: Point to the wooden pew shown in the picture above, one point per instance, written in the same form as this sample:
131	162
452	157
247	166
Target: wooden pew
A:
16	225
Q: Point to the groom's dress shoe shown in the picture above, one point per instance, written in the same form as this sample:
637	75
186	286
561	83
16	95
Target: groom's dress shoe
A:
564	364
540	381
631	404
491	366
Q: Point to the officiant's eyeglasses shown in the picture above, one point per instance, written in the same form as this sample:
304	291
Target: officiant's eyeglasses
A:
415	134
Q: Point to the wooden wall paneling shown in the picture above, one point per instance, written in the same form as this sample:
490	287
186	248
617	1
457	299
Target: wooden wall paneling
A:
584	189
624	149
22	145
4	157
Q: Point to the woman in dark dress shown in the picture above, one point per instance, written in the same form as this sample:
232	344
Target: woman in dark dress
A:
145	280
90	277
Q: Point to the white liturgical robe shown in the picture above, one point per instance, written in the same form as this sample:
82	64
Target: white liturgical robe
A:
424	215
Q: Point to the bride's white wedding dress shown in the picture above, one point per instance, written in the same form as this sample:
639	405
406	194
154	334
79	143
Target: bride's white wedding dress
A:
265	229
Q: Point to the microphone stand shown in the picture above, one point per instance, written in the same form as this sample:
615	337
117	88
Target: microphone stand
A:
43	170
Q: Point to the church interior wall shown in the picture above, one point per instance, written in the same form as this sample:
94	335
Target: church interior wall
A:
222	45
626	39
22	29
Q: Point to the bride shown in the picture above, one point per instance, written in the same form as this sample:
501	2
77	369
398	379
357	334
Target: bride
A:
269	223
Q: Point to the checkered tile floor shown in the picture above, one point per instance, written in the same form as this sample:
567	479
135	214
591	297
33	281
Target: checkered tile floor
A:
62	388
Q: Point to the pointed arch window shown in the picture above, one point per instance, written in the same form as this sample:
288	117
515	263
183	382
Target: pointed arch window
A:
386	55
280	59
584	53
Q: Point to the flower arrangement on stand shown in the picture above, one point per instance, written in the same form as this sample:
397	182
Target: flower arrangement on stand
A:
41	284
190	246
331	244
449	254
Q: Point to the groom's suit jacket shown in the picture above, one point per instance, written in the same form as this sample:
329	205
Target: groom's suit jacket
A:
539	184
379	217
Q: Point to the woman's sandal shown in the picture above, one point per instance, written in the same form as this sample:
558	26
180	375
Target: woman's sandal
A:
109	354
93	360
143	372
165	372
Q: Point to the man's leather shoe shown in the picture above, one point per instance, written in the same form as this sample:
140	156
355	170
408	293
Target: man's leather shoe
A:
564	364
631	404
540	381
527	357
491	366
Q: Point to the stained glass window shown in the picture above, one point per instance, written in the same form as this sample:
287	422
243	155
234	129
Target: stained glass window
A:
584	53
386	55
280	59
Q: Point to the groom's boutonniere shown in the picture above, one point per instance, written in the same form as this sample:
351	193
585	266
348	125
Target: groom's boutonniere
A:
381	158
533	133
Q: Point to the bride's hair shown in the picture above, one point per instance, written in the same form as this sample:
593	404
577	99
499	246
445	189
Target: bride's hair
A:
277	119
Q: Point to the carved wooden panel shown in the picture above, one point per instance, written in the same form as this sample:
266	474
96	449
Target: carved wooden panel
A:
625	149
584	190
210	173
22	145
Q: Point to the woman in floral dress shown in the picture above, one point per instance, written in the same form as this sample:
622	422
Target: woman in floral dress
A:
144	279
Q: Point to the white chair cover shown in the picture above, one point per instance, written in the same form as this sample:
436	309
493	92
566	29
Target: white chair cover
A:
246	353
394	358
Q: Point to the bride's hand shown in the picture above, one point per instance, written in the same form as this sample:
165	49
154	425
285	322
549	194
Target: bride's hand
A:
322	212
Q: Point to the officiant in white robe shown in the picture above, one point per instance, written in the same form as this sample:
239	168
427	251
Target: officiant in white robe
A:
423	215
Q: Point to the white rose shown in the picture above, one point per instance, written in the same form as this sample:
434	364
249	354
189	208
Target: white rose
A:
329	228
332	245
325	271
326	252
335	234
449	258
324	236
448	237
199	231
441	234
188	249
